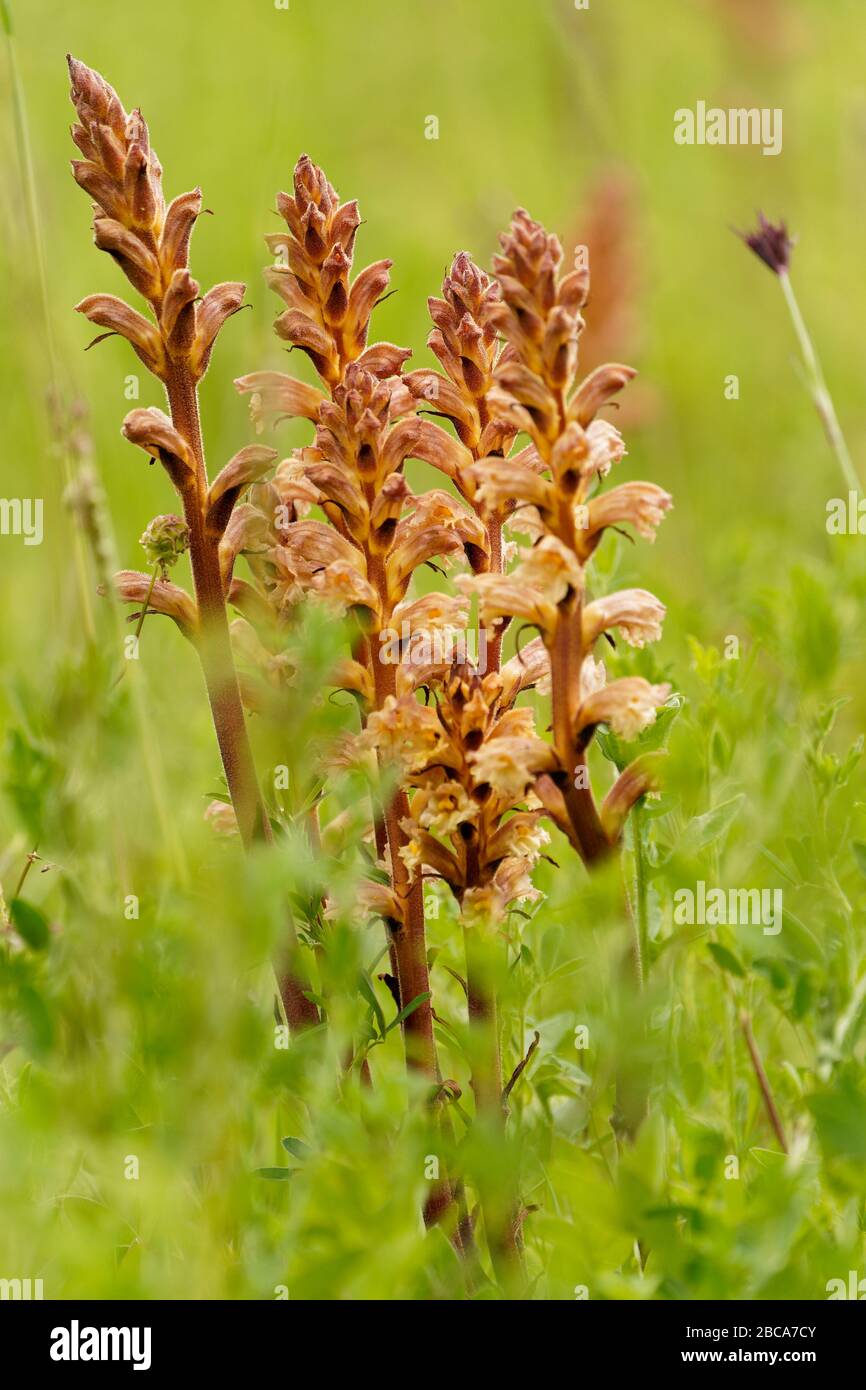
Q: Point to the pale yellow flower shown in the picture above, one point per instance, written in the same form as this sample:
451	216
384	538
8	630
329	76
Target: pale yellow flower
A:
509	764
642	504
484	908
551	569
446	806
637	614
404	733
627	706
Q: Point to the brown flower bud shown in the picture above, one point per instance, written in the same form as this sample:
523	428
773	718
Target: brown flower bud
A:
121	172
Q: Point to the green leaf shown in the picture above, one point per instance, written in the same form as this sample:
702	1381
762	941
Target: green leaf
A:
773	969
802	854
296	1147
859	849
706	829
366	988
840	1116
797	933
408	1009
803	994
777	864
274	1174
30	924
721	751
769	1158
726	959
826	717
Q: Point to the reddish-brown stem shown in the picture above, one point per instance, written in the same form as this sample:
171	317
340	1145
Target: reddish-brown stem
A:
215	653
483	1007
484	1014
409	941
566	660
493	638
214	640
566	656
766	1090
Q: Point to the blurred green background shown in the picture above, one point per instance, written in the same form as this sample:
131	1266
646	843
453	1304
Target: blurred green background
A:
137	1027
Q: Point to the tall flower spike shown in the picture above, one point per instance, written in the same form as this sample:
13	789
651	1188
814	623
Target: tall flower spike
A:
467	344
474	760
327	315
378	532
555	484
474	823
150	243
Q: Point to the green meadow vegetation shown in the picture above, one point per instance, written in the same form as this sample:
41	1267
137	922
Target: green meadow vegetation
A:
658	1090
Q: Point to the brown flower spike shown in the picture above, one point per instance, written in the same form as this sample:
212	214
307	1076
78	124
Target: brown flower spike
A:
556	483
338	522
149	241
378	532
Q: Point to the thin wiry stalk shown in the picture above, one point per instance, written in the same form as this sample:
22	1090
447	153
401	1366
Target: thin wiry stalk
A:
774	247
820	394
763	1083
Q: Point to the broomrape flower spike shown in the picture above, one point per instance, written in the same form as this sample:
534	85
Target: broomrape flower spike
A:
508	349
377	532
338	523
149	240
467	347
550	490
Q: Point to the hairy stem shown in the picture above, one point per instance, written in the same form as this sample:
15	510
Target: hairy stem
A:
217	660
214	640
409	941
566	657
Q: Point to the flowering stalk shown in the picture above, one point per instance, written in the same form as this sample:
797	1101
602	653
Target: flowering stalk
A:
467	347
150	243
555	484
471	757
377	532
773	246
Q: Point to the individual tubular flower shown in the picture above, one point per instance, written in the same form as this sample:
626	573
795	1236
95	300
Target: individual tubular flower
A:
159	596
554	490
